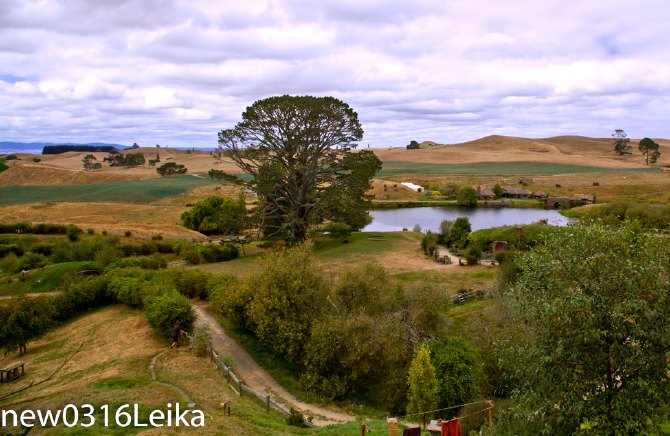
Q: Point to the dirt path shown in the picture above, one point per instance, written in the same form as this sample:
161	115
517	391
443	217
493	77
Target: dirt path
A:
257	378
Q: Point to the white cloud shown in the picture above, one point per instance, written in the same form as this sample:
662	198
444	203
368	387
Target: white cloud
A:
176	72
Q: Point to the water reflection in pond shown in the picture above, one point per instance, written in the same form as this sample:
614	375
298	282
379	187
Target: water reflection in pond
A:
429	218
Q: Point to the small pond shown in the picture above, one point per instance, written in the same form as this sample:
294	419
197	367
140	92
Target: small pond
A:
429	218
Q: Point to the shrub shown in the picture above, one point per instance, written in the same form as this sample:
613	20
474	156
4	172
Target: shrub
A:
164	310
339	231
191	255
80	295
128	233
192	283
472	255
72	232
467	196
11	157
200	340
217	215
10	263
90	231
429	243
456	370
171	168
219	253
37	159
295	418
127	290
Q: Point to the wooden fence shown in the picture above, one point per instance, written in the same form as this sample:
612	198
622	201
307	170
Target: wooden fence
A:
238	385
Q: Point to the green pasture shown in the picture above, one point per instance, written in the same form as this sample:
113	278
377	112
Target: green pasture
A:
128	191
392	168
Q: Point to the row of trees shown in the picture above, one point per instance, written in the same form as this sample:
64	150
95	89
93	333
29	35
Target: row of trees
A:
647	146
24	319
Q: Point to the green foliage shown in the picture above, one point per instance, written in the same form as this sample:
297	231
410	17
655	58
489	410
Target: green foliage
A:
217	215
117	159
79	296
459	231
621	142
650	149
498	190
429	243
365	288
288	296
106	256
2	165
456	372
295	418
649	216
413	145
467	196
170	168
339	231
11	157
200	339
73	232
445	232
90	163
472	255
22	320
192	283
422	383
165	309
594	302
230	298
427	304
297	151
219	253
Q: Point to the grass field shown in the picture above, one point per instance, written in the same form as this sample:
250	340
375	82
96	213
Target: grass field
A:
129	191
44	279
392	168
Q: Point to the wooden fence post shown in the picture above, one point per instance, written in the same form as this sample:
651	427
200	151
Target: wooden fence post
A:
267	403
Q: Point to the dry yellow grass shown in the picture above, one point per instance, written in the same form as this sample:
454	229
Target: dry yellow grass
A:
117	344
574	150
115	218
67	168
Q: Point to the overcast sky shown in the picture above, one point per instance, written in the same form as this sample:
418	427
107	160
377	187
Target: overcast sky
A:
176	72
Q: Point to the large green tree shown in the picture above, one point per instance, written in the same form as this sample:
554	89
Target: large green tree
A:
595	304
298	152
649	148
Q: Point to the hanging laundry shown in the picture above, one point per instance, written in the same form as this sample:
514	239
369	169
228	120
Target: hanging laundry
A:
414	431
451	428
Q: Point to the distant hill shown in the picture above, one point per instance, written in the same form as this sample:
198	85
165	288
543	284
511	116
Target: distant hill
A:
36	147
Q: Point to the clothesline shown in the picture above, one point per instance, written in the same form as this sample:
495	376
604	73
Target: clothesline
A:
446	408
474	413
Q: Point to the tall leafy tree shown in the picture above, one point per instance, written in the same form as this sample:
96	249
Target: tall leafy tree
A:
649	148
595	304
298	152
621	142
422	393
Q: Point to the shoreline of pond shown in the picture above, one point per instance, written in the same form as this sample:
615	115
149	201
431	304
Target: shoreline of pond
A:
481	204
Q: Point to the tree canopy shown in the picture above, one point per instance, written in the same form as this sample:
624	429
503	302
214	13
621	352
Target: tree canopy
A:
621	142
169	168
298	152
216	215
649	148
595	303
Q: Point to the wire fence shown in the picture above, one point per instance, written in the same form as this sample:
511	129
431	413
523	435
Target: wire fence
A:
238	385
